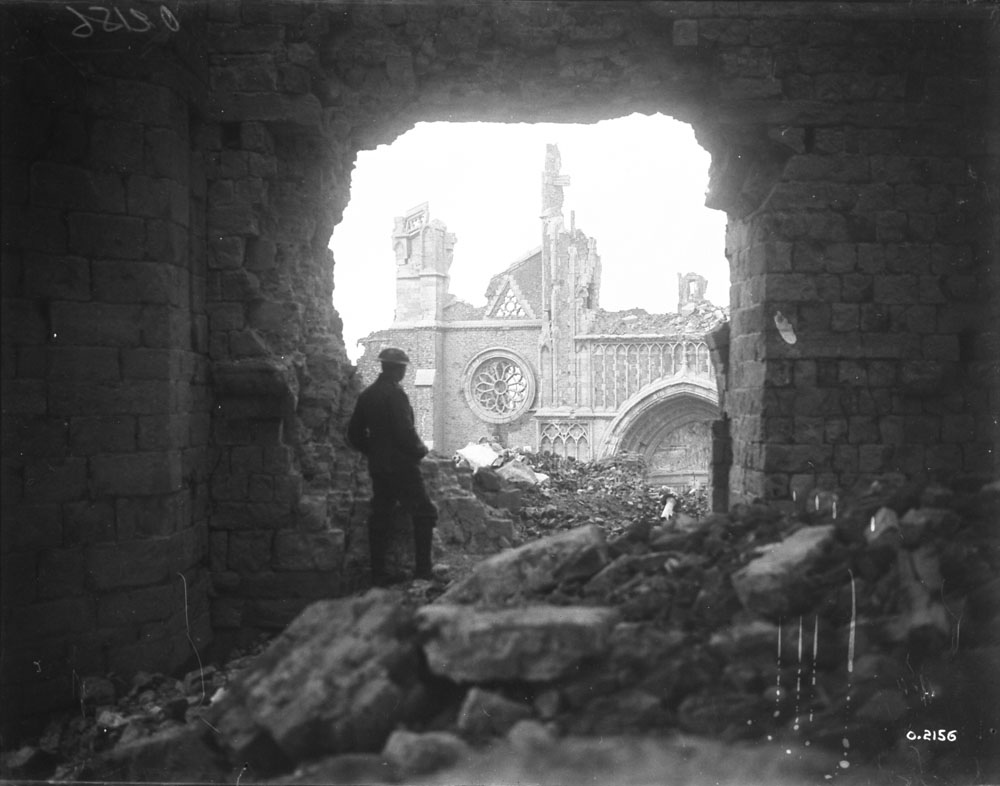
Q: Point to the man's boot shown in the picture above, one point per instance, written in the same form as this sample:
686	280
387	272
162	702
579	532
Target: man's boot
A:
423	535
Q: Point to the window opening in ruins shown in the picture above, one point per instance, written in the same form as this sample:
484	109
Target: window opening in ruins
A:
500	386
635	184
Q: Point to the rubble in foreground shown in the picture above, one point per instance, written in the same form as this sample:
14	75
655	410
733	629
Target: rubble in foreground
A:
856	646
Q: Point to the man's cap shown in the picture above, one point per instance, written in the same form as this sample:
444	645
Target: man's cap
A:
393	355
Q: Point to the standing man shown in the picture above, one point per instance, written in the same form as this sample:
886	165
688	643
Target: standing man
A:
382	428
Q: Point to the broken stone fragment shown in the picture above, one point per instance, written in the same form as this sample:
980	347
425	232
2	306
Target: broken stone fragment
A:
338	680
487	479
518	473
178	751
922	613
918	521
518	573
527	736
771	584
97	691
621	570
532	644
417	754
883	527
485	714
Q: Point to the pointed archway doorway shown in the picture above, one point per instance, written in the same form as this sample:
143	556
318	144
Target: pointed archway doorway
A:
668	423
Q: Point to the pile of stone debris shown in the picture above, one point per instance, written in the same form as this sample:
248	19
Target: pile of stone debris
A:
550	492
856	645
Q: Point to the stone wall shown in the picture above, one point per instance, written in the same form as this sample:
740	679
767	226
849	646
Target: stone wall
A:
105	374
174	383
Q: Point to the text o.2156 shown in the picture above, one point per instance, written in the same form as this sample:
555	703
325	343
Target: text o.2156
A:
933	735
111	19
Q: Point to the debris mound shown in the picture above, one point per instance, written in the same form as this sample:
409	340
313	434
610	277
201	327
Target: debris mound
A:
853	640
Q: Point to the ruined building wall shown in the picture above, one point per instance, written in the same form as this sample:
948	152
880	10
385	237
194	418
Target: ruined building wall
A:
174	384
105	367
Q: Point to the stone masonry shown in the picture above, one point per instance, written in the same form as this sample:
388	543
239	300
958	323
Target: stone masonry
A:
174	381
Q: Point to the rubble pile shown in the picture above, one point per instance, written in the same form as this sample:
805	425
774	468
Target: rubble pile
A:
552	492
852	641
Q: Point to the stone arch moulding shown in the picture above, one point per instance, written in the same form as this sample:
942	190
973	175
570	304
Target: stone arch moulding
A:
499	385
647	400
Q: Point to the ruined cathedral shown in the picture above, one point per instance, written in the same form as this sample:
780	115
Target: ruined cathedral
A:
541	365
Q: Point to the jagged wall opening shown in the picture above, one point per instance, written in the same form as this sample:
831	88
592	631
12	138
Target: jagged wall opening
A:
175	385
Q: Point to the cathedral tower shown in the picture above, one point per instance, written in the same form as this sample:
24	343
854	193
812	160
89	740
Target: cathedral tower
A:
424	252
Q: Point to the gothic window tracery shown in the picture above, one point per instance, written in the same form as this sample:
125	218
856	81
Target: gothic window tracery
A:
510	307
621	369
565	438
499	386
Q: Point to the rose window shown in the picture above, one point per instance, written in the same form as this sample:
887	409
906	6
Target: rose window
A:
500	388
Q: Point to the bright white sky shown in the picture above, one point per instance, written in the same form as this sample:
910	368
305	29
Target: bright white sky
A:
637	186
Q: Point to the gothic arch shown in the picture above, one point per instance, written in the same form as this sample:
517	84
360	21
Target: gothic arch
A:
647	421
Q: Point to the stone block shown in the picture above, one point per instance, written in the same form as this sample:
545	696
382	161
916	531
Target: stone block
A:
24	396
261	488
53	618
37	228
260	253
247	459
136	473
845	459
31	527
227	38
84	364
303	110
218	550
56	480
895	288
35	436
141	563
293	79
282	318
160	654
724	31
148	604
101	235
844	317
60	574
149	196
107	434
75	188
56	277
252	515
167	154
249	552
95	324
141	517
227	612
143	102
254	73
294	550
226	253
163	432
417	754
536	643
771	584
88	522
167	242
142	363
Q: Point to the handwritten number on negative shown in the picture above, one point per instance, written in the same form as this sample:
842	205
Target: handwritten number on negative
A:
100	15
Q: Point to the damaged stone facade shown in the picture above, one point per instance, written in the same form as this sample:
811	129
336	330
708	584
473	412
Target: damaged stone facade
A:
174	381
541	366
